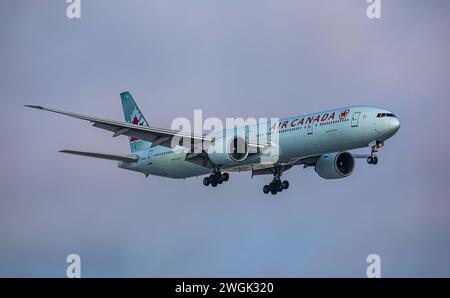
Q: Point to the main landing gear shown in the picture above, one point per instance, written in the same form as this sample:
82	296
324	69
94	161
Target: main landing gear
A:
216	178
276	185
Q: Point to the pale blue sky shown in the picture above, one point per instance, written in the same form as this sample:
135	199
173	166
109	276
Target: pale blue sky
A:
251	58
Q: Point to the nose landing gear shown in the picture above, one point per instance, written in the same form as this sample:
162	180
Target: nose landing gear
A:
373	159
216	178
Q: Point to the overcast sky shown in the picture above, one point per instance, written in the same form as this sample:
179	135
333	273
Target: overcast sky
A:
246	58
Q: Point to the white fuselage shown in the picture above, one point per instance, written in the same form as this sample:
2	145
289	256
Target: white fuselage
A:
298	137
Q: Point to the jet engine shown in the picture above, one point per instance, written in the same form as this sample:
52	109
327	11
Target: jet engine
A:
335	165
229	150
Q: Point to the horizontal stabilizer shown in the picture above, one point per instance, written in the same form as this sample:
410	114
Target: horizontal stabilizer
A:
103	156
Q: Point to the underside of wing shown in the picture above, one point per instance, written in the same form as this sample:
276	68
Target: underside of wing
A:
269	169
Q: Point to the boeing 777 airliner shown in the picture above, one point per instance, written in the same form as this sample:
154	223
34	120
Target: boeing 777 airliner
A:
320	140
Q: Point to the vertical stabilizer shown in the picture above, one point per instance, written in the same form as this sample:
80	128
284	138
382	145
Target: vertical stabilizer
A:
134	116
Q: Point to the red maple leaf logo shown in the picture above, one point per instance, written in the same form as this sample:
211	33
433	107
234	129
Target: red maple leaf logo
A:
344	114
136	122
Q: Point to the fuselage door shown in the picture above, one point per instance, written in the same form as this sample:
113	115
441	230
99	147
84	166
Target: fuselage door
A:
309	128
150	157
355	119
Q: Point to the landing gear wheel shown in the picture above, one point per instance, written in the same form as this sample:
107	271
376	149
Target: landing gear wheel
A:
225	177
274	187
277	184
374	160
285	184
266	189
215	178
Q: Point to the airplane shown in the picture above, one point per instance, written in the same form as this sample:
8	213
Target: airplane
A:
321	140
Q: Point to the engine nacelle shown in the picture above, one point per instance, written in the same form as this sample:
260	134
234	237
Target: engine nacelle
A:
335	165
230	150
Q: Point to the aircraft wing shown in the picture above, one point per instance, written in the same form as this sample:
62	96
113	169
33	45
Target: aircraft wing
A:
265	169
157	136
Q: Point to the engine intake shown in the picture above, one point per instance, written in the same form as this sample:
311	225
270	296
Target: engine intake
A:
237	149
335	165
228	150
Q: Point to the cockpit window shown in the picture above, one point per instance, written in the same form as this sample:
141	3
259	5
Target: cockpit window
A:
381	115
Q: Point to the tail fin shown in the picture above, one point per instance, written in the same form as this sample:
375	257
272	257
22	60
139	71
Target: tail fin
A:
134	116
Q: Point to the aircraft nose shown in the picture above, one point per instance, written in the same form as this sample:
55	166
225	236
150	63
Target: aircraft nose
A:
394	125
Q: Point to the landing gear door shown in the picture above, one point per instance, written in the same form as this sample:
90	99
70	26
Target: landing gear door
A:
355	119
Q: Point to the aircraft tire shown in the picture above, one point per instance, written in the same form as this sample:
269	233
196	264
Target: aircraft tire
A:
374	160
225	177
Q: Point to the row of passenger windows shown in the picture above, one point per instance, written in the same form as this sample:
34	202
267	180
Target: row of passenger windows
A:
381	115
162	153
283	130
